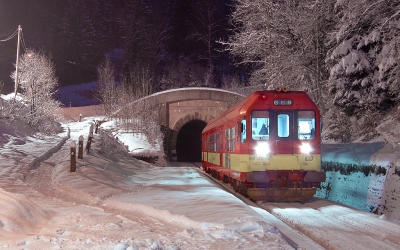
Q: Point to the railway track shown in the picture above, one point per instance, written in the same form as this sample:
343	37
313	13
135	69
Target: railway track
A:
322	224
288	233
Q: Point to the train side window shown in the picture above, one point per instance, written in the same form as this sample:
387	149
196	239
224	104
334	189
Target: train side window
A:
233	139
216	142
260	125
243	131
230	139
227	139
213	142
220	142
306	125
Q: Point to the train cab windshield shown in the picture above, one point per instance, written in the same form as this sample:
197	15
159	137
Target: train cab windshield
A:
285	125
306	125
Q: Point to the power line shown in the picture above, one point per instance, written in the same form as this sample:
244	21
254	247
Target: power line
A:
13	35
10	37
23	41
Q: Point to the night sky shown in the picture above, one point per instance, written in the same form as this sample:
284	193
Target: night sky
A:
76	34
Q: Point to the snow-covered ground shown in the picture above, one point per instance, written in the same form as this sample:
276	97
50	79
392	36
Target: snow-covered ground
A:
113	201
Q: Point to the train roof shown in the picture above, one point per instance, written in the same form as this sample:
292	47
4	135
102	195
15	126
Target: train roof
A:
241	107
226	115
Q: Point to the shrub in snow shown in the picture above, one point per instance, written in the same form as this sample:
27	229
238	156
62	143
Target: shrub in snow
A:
348	169
16	113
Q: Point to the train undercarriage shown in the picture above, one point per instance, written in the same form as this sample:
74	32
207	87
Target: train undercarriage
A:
282	188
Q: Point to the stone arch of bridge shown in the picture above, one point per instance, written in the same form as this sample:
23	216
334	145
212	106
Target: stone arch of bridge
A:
178	140
179	108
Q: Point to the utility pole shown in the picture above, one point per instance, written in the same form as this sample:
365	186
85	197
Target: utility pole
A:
17	63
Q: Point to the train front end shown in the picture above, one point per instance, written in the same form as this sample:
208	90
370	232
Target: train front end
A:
267	146
280	149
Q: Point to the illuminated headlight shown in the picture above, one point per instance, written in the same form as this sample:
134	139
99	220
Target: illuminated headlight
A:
306	148
262	149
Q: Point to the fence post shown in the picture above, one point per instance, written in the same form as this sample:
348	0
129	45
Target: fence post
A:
97	127
80	117
91	130
73	156
80	149
89	141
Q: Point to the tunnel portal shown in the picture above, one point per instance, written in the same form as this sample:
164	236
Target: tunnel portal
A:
188	143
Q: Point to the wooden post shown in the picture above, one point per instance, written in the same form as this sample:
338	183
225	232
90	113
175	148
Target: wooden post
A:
73	156
91	130
80	149
89	141
80	117
97	127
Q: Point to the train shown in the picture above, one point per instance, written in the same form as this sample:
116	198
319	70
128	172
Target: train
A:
267	146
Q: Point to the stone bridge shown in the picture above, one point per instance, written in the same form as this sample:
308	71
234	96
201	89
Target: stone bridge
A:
183	114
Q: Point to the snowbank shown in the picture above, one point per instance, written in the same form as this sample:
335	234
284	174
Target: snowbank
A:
19	215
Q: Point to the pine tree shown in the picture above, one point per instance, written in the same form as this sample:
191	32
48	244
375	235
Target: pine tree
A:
365	73
80	33
205	31
146	33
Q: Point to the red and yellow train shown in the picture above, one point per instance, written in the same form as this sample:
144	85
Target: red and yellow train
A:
267	146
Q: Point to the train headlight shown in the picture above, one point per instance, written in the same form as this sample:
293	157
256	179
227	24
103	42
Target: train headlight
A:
306	148
262	149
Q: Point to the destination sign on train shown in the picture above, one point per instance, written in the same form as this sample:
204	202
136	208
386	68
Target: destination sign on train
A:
283	102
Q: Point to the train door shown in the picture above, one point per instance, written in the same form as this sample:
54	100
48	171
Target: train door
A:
284	132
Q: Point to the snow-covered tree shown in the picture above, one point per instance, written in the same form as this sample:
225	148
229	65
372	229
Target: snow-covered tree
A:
364	59
282	41
183	72
37	82
123	101
205	35
106	86
79	33
146	31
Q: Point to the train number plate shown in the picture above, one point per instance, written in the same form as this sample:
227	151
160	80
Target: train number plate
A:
283	102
